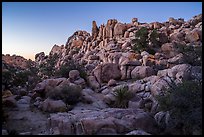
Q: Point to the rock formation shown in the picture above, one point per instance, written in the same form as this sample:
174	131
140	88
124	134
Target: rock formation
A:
106	60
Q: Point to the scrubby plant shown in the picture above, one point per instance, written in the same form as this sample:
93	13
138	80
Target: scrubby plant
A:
48	68
21	77
154	38
123	95
142	39
184	102
69	94
7	78
192	54
68	66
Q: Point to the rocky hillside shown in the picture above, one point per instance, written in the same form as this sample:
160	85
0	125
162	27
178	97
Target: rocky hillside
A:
15	61
115	80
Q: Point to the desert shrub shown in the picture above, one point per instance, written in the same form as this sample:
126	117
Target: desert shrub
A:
122	97
69	94
154	38
192	54
68	66
21	77
141	41
48	68
184	102
7	78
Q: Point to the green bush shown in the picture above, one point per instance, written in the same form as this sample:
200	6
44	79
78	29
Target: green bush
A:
192	54
122	97
7	78
141	41
21	77
69	94
68	66
154	38
184	102
48	68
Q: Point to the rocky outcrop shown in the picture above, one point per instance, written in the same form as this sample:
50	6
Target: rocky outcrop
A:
107	121
95	30
110	62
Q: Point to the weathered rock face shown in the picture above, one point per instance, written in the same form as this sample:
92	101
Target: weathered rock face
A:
119	29
39	56
109	28
56	49
107	71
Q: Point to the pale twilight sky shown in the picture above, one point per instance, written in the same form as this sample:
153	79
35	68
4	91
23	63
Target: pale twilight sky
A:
32	27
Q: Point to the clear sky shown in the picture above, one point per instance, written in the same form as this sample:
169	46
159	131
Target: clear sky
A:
32	27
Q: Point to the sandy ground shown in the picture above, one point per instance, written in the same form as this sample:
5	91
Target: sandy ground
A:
26	120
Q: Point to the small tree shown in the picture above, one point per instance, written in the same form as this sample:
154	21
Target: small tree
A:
141	40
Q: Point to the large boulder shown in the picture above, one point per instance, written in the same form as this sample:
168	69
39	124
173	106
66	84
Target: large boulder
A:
169	49
178	59
194	36
9	101
140	72
50	105
178	36
93	83
107	71
161	85
181	72
74	75
47	84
